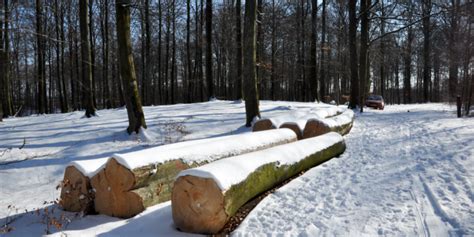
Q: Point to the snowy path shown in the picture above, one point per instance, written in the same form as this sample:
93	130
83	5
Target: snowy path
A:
402	174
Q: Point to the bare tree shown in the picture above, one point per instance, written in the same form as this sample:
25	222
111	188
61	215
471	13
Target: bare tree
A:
209	79
238	50
136	117
86	59
249	73
354	101
426	9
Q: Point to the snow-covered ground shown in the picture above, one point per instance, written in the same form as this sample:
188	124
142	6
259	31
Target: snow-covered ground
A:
404	173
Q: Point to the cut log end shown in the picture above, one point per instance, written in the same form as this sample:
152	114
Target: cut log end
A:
294	128
76	193
315	128
262	125
201	203
112	197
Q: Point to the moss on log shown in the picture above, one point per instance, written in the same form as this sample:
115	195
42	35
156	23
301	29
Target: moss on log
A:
76	193
200	206
122	192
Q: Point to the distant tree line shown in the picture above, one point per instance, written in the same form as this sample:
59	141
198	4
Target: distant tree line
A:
190	51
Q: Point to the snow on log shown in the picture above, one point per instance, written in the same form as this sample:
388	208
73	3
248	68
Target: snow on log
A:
76	191
262	125
341	123
291	119
131	182
204	198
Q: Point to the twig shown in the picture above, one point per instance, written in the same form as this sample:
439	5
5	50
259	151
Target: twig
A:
23	145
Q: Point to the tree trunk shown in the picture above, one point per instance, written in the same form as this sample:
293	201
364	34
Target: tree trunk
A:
87	87
238	49
322	74
40	58
313	80
209	79
407	70
354	100
201	205
452	52
363	52
189	73
249	74
136	118
426	7
7	90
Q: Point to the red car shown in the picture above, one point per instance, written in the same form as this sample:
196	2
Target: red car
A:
375	101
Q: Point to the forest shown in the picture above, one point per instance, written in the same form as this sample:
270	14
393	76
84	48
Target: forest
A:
60	56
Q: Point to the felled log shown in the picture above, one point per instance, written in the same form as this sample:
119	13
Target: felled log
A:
204	198
289	118
76	191
294	127
133	181
262	125
341	124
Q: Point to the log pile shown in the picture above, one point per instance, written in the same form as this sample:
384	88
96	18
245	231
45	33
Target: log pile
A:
309	125
204	198
131	182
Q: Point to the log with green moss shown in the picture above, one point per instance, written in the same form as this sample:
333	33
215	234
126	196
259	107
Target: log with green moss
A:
131	182
204	198
341	124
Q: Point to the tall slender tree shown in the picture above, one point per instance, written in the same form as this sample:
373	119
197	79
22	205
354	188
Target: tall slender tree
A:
426	9
189	76
238	50
249	73
313	80
41	95
88	89
136	117
322	74
364	50
354	100
209	79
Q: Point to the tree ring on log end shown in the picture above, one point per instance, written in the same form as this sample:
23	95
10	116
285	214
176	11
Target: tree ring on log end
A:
201	203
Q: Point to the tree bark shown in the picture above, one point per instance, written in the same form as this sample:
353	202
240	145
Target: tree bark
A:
41	95
322	74
238	49
313	80
249	74
87	87
209	78
189	72
136	118
354	100
364	46
426	8
407	70
7	90
452	52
